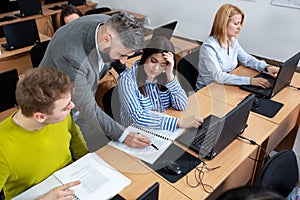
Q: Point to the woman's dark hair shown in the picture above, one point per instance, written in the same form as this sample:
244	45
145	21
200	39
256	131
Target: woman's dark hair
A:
158	44
68	10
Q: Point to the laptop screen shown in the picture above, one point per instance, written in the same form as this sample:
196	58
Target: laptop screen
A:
30	7
8	82
150	194
21	34
76	2
286	73
233	124
165	30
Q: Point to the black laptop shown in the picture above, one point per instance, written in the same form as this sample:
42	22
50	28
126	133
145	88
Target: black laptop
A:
164	30
150	194
29	7
76	2
20	34
215	134
283	78
8	82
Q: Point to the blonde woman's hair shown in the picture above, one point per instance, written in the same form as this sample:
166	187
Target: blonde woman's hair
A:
222	18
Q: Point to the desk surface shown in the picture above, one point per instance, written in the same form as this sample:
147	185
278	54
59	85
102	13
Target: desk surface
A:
46	12
5	54
141	177
233	95
232	159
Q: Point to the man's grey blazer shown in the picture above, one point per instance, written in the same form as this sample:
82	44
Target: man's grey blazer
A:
72	50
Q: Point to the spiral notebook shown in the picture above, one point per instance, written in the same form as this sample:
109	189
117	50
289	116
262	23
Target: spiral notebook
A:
98	180
161	140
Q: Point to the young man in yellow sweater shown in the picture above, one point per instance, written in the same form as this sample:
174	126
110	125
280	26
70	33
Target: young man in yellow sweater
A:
40	138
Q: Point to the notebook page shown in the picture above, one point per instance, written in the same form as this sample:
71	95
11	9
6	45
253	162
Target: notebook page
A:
98	180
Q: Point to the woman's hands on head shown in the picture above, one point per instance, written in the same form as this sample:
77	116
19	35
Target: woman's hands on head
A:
169	56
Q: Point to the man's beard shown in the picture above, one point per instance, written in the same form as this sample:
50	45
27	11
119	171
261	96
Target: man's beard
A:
105	56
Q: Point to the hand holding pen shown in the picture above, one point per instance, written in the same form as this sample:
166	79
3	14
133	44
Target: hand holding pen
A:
137	140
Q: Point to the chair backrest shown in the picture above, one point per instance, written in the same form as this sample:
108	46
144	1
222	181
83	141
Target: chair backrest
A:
187	71
37	53
97	10
111	103
280	172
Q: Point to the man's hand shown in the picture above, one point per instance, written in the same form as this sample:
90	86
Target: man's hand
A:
136	140
61	192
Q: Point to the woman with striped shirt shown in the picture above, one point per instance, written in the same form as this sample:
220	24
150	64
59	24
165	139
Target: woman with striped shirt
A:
150	85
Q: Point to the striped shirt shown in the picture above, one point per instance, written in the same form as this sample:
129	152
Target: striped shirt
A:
136	108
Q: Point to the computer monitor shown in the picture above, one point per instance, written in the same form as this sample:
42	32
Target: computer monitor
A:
8	82
52	1
21	34
76	2
29	7
150	194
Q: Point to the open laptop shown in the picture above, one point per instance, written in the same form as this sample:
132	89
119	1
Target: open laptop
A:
150	194
8	82
215	134
29	7
283	78
164	30
76	2
20	34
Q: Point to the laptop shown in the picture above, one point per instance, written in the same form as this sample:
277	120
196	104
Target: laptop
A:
150	194
29	7
20	34
164	30
284	77
215	134
8	82
76	2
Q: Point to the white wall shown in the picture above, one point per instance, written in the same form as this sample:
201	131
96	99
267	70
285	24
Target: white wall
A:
269	31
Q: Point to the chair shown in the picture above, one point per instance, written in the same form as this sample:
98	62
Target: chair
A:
280	173
187	71
111	103
37	53
97	10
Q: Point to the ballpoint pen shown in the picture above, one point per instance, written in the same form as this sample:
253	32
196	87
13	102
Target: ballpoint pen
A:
155	147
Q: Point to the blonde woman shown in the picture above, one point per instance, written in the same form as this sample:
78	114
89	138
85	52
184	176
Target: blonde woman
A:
221	52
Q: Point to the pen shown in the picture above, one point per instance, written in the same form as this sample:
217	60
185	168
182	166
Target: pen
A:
155	147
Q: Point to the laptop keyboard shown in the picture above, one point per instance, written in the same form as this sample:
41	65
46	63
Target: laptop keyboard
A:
206	136
267	91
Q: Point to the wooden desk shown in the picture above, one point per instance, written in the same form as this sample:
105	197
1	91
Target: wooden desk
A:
236	167
19	58
48	22
141	177
287	118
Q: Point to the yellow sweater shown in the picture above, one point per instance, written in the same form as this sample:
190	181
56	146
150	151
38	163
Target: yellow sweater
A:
28	157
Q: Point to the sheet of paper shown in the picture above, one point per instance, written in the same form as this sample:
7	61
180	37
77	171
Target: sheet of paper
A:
98	181
149	154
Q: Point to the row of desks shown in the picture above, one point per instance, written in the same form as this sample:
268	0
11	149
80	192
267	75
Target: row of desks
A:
236	166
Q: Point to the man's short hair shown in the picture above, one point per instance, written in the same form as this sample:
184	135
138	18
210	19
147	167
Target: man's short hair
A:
39	88
128	28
